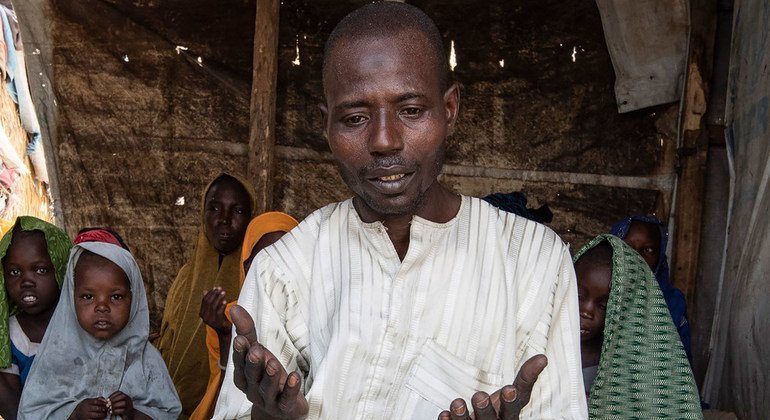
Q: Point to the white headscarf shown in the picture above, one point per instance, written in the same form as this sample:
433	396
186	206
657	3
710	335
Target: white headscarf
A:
71	365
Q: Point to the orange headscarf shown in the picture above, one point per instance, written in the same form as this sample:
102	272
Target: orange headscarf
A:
259	227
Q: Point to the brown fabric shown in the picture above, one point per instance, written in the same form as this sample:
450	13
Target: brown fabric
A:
182	340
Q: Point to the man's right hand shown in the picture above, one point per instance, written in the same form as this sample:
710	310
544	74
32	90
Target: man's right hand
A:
273	393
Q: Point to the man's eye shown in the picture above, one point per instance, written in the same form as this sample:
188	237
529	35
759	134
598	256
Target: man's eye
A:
42	271
411	112
355	120
14	272
117	297
649	250
86	296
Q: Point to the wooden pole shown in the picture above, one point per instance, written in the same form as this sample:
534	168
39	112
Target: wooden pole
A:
263	94
693	151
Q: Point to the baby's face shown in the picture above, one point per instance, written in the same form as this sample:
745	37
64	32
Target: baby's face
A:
102	297
593	293
645	239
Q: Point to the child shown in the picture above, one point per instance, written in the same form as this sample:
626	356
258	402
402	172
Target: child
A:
34	257
96	360
642	370
649	237
228	204
263	231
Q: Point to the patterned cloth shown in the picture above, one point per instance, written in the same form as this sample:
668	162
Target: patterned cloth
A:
677	305
376	337
71	365
643	370
59	245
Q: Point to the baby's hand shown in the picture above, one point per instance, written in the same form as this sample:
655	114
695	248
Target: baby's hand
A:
90	408
213	311
122	405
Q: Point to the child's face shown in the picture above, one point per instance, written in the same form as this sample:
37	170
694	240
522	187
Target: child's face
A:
593	293
227	213
102	296
30	277
645	239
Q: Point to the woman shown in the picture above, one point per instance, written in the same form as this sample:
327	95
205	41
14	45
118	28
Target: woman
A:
228	204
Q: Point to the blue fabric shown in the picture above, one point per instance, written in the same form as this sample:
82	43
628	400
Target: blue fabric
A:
677	305
21	360
516	202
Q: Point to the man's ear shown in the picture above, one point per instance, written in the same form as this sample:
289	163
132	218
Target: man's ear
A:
324	119
452	105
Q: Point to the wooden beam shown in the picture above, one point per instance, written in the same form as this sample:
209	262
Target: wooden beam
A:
263	94
693	151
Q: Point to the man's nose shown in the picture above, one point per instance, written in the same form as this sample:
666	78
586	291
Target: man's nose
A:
386	137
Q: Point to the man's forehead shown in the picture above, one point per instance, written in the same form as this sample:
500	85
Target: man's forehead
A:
369	60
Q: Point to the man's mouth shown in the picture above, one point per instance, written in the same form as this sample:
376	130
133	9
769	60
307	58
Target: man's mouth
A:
29	299
391	178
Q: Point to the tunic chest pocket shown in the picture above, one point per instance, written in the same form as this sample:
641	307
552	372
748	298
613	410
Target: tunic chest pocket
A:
436	378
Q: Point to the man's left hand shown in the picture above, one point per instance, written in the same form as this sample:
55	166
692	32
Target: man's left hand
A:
505	403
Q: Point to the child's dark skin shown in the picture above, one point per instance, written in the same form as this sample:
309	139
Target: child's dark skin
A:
594	277
30	281
645	239
103	306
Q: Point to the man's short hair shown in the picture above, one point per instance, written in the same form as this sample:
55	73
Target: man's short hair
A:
388	18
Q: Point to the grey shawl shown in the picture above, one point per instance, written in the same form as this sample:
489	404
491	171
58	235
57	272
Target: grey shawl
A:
71	365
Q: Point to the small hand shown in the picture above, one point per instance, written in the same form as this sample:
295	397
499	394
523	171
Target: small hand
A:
274	394
90	408
506	403
122	405
213	311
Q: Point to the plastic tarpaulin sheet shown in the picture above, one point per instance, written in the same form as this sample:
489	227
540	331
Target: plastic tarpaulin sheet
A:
738	376
647	41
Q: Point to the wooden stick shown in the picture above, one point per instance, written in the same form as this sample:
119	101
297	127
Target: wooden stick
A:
263	94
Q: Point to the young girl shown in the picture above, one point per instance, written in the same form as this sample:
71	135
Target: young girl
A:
641	367
34	258
649	237
96	360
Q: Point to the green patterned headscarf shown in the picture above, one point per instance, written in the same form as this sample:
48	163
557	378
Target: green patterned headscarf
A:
59	245
643	370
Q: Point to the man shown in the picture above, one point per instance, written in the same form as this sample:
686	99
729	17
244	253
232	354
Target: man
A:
398	301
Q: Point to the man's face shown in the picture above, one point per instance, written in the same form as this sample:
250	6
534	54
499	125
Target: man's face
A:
386	119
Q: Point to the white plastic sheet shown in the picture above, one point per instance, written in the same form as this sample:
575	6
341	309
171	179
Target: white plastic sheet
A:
647	41
738	376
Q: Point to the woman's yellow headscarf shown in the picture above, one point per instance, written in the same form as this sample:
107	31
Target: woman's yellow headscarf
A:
182	340
259	227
